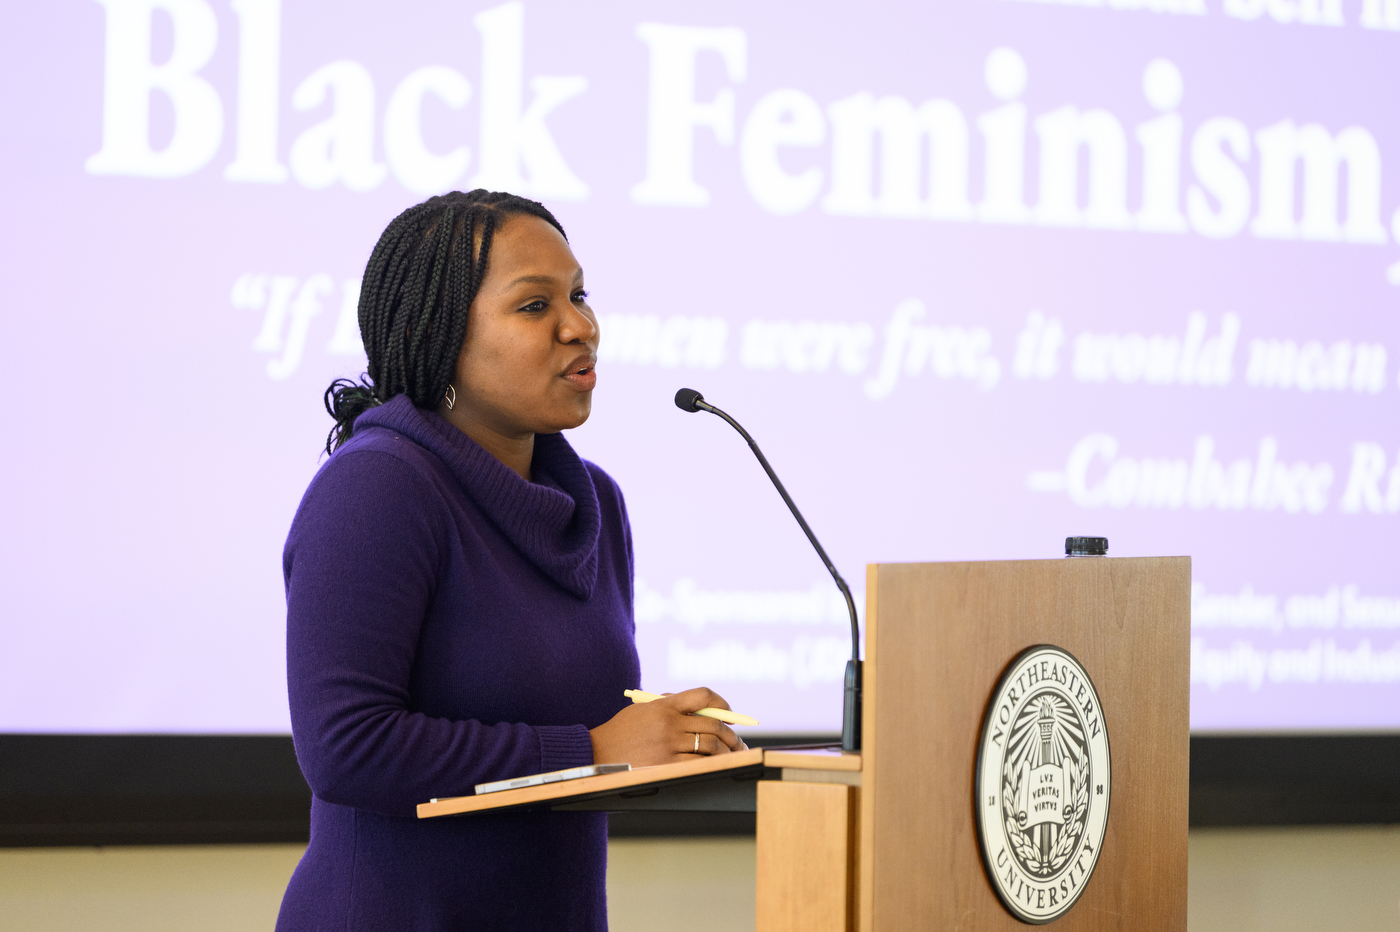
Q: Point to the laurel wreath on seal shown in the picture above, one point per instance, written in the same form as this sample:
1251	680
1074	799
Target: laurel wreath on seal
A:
1073	826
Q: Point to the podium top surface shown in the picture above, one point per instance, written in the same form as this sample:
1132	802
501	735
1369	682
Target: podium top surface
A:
754	759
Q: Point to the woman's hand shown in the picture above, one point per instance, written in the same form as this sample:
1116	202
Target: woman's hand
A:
664	732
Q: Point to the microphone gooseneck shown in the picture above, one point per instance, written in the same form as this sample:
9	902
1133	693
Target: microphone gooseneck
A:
689	400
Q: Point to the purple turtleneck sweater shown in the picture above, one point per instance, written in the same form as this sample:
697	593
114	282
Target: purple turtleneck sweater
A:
448	624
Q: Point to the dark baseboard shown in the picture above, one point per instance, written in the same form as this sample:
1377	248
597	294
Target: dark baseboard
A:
150	790
642	824
186	789
1239	780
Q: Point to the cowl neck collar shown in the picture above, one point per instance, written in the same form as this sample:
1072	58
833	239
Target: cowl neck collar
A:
554	521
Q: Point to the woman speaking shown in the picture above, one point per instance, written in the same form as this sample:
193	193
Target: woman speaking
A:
459	592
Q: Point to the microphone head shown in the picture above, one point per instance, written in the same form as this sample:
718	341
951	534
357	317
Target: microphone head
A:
688	399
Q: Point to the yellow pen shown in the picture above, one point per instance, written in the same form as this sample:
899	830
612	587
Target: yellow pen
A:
723	715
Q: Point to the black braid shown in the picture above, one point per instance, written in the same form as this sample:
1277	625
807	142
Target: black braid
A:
419	284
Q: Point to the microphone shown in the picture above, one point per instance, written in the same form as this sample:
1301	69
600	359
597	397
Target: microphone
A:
688	399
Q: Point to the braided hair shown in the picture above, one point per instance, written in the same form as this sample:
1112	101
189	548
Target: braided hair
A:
421	279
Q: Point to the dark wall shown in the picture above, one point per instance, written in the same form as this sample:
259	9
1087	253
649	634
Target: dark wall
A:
181	789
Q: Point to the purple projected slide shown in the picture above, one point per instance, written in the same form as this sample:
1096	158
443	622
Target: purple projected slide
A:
978	275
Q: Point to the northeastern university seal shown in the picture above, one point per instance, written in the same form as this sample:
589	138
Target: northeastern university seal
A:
1043	782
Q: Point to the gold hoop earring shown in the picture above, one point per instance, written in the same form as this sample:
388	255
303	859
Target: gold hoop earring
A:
451	397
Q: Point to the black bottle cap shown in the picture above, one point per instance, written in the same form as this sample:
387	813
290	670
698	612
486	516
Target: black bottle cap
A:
1086	546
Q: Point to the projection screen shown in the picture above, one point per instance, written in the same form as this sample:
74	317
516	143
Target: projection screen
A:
977	275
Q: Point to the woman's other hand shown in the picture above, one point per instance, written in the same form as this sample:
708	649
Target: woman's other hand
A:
664	731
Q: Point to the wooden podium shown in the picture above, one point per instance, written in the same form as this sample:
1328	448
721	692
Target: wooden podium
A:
886	840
